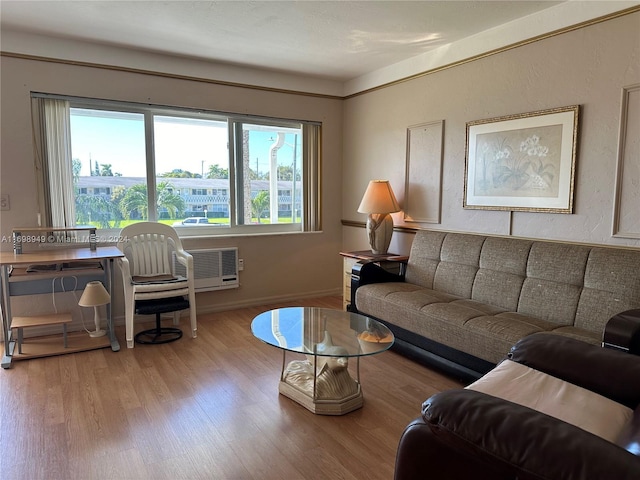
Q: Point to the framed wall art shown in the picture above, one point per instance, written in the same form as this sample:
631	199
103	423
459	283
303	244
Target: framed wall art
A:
626	221
423	174
522	162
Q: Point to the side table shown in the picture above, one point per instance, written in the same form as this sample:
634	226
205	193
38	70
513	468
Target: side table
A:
351	258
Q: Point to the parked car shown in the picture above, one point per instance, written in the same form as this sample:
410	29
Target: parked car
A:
192	222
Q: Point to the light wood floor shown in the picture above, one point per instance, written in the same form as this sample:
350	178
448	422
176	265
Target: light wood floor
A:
199	408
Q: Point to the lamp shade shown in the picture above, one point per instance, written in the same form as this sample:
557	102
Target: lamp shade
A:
94	295
379	198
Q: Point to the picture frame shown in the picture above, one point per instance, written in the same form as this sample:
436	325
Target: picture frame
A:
423	172
626	223
524	162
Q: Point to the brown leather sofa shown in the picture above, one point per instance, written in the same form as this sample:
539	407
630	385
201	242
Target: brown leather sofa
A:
466	434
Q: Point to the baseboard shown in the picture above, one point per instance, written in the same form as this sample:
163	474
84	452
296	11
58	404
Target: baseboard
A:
253	302
118	320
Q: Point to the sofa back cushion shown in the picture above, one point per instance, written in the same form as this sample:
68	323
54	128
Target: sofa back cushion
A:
562	283
611	286
503	266
424	258
555	274
459	262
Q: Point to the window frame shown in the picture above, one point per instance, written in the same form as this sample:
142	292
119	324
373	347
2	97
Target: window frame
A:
310	159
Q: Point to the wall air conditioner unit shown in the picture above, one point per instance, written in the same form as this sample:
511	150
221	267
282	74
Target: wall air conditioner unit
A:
214	268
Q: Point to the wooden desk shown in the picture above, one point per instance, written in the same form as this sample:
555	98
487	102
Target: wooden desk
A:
14	281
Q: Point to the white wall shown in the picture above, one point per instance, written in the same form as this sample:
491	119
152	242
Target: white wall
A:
589	67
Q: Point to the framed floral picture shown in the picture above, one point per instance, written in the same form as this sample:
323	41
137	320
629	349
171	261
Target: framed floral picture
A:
522	162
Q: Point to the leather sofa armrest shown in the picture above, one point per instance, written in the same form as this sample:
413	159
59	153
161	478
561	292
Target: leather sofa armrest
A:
610	373
366	272
520	442
622	332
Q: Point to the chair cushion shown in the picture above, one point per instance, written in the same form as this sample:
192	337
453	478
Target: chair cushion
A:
160	286
161	305
157	278
531	388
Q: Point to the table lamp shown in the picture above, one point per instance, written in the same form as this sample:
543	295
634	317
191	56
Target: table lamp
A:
95	295
379	201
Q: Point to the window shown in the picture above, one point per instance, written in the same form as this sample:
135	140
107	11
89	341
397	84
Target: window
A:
172	165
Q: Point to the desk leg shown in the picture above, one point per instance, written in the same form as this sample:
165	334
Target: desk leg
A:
115	345
5	312
8	354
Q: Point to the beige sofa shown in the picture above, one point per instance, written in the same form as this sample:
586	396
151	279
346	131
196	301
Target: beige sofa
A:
463	300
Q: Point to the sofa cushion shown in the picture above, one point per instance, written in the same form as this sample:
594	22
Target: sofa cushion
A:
594	338
493	335
554	281
611	286
508	326
459	262
497	288
552	301
459	311
424	258
508	255
558	262
503	266
482	330
398	303
378	297
557	398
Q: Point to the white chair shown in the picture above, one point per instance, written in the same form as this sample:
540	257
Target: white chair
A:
147	270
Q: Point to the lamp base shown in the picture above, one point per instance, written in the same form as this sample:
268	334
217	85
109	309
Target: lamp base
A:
379	231
97	333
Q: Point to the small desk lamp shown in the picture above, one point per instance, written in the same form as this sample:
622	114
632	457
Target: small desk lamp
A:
95	295
379	201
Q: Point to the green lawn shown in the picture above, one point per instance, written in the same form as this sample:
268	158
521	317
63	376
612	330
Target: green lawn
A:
171	221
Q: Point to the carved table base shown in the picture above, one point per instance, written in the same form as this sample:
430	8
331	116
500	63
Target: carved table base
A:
331	391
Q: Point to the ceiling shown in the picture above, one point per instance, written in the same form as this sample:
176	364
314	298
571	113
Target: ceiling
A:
335	40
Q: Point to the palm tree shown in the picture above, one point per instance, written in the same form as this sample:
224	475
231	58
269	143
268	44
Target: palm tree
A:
105	170
76	166
95	209
165	198
136	200
179	173
260	203
216	171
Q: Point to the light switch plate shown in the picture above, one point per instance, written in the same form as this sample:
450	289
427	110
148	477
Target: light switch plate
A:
4	201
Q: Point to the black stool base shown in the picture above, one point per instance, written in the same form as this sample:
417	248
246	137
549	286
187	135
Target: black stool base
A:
157	335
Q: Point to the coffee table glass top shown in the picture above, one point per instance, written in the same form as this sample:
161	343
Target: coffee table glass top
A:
322	331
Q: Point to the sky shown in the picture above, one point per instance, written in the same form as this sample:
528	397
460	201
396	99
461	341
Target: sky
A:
117	138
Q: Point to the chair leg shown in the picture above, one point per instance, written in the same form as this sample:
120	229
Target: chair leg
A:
192	314
129	324
176	318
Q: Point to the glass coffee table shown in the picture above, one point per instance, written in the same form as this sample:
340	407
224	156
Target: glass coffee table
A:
322	383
